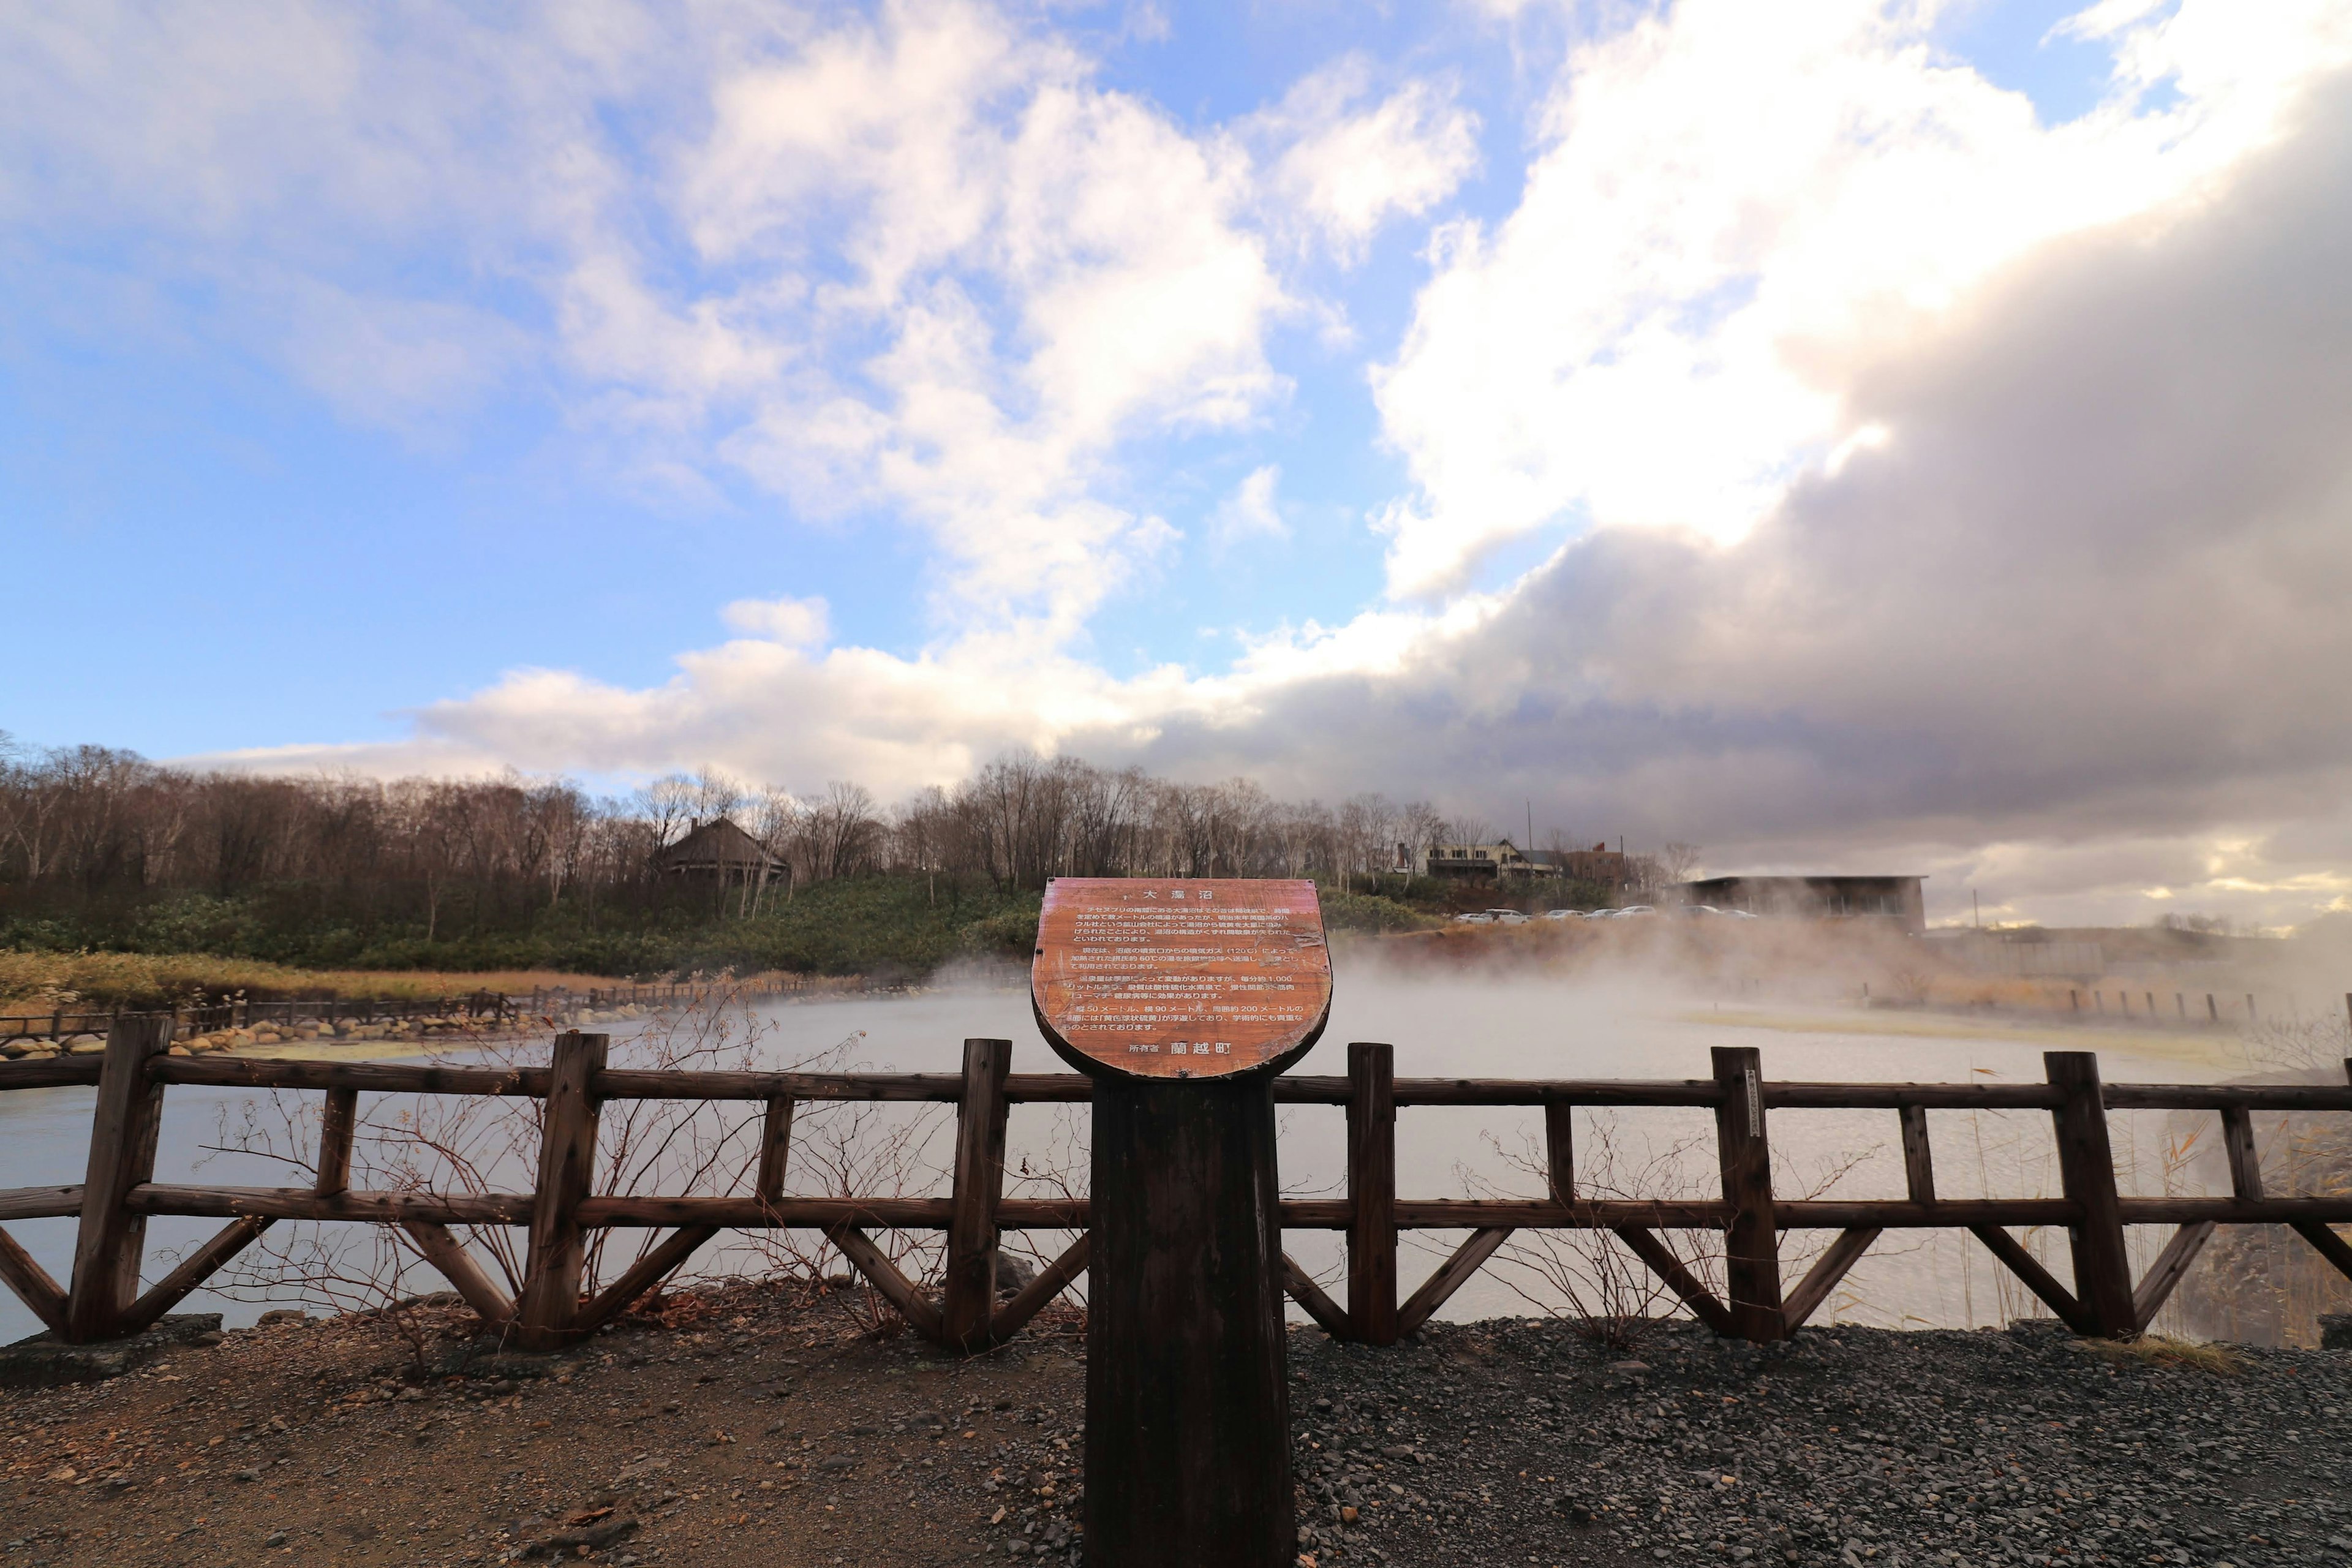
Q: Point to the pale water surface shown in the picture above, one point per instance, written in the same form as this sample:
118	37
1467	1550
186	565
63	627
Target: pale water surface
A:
1496	1028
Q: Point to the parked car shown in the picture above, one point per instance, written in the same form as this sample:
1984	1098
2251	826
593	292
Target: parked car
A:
1507	917
1474	918
1696	912
1635	911
1563	914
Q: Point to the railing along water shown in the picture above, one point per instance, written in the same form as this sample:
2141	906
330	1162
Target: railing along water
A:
117	1193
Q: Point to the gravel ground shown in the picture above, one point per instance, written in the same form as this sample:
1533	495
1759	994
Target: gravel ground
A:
748	1427
1521	1443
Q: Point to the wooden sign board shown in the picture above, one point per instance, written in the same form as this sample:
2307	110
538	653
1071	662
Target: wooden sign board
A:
1161	978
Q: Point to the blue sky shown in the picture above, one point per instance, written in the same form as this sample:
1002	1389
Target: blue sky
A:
418	388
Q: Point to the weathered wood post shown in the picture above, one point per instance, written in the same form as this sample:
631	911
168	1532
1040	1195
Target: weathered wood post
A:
1371	1192
1182	1000
549	1308
1918	1155
968	1297
337	1124
112	1241
775	1147
1751	1245
1559	1150
2086	1171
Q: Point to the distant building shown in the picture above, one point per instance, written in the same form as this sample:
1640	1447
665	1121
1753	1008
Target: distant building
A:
1503	858
1472	859
1599	866
722	852
2027	955
1897	899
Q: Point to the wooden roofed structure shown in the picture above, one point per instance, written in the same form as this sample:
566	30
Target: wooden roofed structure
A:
720	851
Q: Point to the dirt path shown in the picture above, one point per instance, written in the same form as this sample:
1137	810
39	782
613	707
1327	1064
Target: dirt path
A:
753	1432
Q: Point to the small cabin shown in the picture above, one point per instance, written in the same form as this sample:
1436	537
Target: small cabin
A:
719	851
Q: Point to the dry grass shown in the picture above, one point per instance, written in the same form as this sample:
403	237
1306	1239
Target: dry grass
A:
37	981
2158	1349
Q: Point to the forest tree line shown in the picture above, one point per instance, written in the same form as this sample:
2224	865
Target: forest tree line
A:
95	818
91	834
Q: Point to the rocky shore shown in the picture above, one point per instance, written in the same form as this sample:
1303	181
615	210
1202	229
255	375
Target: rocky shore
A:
421	1030
760	1425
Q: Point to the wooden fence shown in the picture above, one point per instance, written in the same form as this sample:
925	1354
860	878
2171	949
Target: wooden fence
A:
118	1193
487	1007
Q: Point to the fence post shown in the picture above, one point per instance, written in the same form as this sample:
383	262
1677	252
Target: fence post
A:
1751	1256
337	1123
112	1240
969	1293
1559	1150
567	1173
1918	1155
775	1149
1371	1192
2086	1168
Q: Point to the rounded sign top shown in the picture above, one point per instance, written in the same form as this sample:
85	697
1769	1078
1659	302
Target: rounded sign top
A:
1161	977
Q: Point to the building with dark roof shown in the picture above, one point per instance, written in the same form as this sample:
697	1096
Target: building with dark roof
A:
722	852
1899	899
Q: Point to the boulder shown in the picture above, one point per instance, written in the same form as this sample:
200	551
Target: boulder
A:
1012	1273
45	1362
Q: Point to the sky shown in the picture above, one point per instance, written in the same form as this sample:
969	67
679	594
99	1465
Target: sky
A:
1844	436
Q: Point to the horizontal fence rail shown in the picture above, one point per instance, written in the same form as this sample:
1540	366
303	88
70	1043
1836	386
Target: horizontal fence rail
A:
118	1194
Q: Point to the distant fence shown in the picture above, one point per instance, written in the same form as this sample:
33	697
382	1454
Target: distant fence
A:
102	1300
491	1008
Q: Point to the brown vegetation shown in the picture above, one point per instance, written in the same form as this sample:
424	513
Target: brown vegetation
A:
37	981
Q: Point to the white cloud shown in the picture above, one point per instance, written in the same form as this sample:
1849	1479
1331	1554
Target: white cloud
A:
1250	513
794	623
1043	269
1736	209
1346	168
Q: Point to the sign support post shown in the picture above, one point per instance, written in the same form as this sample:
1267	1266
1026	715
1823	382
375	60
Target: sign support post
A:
1188	1413
1182	1000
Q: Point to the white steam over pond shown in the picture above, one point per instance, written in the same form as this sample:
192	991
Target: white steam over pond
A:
1529	1027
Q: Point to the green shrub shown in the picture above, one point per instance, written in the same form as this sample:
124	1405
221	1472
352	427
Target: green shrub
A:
1367	911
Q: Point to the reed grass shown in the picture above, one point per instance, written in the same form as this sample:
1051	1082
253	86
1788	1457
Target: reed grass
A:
2162	1350
38	982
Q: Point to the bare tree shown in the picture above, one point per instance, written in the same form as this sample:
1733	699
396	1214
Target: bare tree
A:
667	804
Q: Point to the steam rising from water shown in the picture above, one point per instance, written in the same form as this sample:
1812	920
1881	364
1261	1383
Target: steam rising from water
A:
1635	1004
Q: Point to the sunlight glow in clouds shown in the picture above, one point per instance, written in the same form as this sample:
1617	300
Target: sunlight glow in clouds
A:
1736	209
